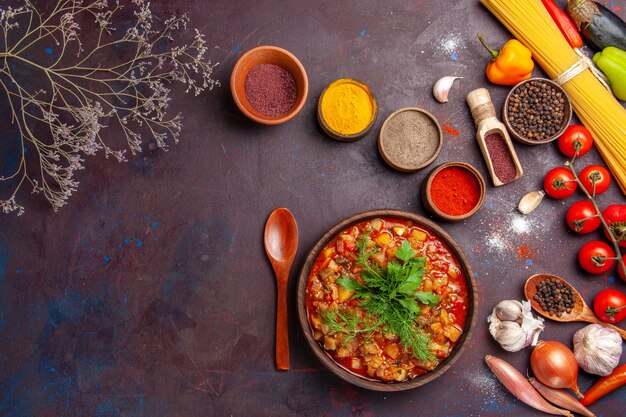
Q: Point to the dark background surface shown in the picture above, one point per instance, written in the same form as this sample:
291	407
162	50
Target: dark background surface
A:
149	294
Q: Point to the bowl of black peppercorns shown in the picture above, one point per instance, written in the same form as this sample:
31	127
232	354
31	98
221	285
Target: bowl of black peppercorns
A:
537	111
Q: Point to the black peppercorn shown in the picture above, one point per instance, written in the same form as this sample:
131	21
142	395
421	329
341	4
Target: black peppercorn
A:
536	110
555	297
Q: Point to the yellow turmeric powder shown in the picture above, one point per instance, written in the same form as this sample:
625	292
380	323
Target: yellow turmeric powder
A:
347	106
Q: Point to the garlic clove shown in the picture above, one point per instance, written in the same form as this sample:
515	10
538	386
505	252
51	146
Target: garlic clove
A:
442	88
511	336
494	324
531	325
530	202
509	310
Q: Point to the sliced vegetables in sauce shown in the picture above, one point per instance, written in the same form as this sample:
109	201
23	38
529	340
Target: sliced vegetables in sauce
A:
387	299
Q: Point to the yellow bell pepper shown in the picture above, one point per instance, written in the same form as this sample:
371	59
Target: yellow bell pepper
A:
511	64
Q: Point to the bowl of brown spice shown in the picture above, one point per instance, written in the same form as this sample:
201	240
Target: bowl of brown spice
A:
410	139
269	85
536	111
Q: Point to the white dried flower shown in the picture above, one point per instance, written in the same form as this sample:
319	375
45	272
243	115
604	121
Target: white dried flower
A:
89	94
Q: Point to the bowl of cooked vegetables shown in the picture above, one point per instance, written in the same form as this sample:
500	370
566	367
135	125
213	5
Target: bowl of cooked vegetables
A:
387	300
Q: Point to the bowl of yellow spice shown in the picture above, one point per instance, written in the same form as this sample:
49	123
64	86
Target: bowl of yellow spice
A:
346	110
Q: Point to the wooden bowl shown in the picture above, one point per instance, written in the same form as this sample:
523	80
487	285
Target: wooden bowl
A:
268	55
399	152
338	135
343	373
566	119
432	207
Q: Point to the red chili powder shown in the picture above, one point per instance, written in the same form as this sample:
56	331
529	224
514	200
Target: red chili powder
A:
455	191
525	252
270	89
450	129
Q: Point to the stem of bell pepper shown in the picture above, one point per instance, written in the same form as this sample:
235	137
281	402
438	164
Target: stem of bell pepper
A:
492	51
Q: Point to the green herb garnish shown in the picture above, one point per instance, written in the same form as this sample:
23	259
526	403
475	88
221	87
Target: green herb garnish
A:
347	322
391	295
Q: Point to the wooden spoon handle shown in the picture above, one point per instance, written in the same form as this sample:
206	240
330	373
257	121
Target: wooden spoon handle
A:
282	325
589	316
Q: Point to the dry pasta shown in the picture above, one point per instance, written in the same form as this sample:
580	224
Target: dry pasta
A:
595	106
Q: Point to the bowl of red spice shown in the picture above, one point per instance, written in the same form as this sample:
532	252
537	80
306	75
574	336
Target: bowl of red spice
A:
453	191
269	85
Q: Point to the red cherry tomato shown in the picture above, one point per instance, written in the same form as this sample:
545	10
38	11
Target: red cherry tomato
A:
610	305
559	183
615	217
576	140
582	218
620	271
598	174
595	257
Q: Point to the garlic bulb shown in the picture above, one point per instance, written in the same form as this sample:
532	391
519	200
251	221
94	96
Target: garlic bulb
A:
597	349
442	88
513	326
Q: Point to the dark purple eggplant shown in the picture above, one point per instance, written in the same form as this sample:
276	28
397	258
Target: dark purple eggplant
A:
599	26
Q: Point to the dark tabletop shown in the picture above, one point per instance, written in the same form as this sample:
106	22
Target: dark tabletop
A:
149	294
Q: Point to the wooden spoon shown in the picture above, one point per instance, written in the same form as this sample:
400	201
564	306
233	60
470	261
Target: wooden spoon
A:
281	245
580	311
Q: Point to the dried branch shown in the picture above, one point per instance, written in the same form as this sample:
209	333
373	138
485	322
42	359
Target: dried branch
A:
115	78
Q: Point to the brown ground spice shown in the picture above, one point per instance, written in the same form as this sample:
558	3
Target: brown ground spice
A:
270	89
410	138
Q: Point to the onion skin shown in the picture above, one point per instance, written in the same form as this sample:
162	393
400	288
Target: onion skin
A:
555	366
519	386
561	398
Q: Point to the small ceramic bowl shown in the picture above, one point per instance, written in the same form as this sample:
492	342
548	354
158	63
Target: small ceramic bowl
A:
418	145
268	55
430	204
343	137
566	118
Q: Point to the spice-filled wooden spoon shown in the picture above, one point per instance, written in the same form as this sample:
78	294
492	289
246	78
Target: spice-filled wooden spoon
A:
281	245
579	312
493	139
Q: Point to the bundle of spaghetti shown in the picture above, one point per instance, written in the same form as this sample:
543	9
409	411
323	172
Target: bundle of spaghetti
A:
595	106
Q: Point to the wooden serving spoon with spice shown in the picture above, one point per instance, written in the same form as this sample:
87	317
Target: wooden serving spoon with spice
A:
281	245
580	311
493	139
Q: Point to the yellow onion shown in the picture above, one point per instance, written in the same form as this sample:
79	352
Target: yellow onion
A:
555	366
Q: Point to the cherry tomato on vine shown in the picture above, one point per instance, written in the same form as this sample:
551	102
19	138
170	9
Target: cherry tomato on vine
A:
610	305
596	257
582	218
615	217
559	183
575	138
598	174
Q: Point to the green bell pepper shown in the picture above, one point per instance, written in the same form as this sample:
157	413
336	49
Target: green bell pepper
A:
612	61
